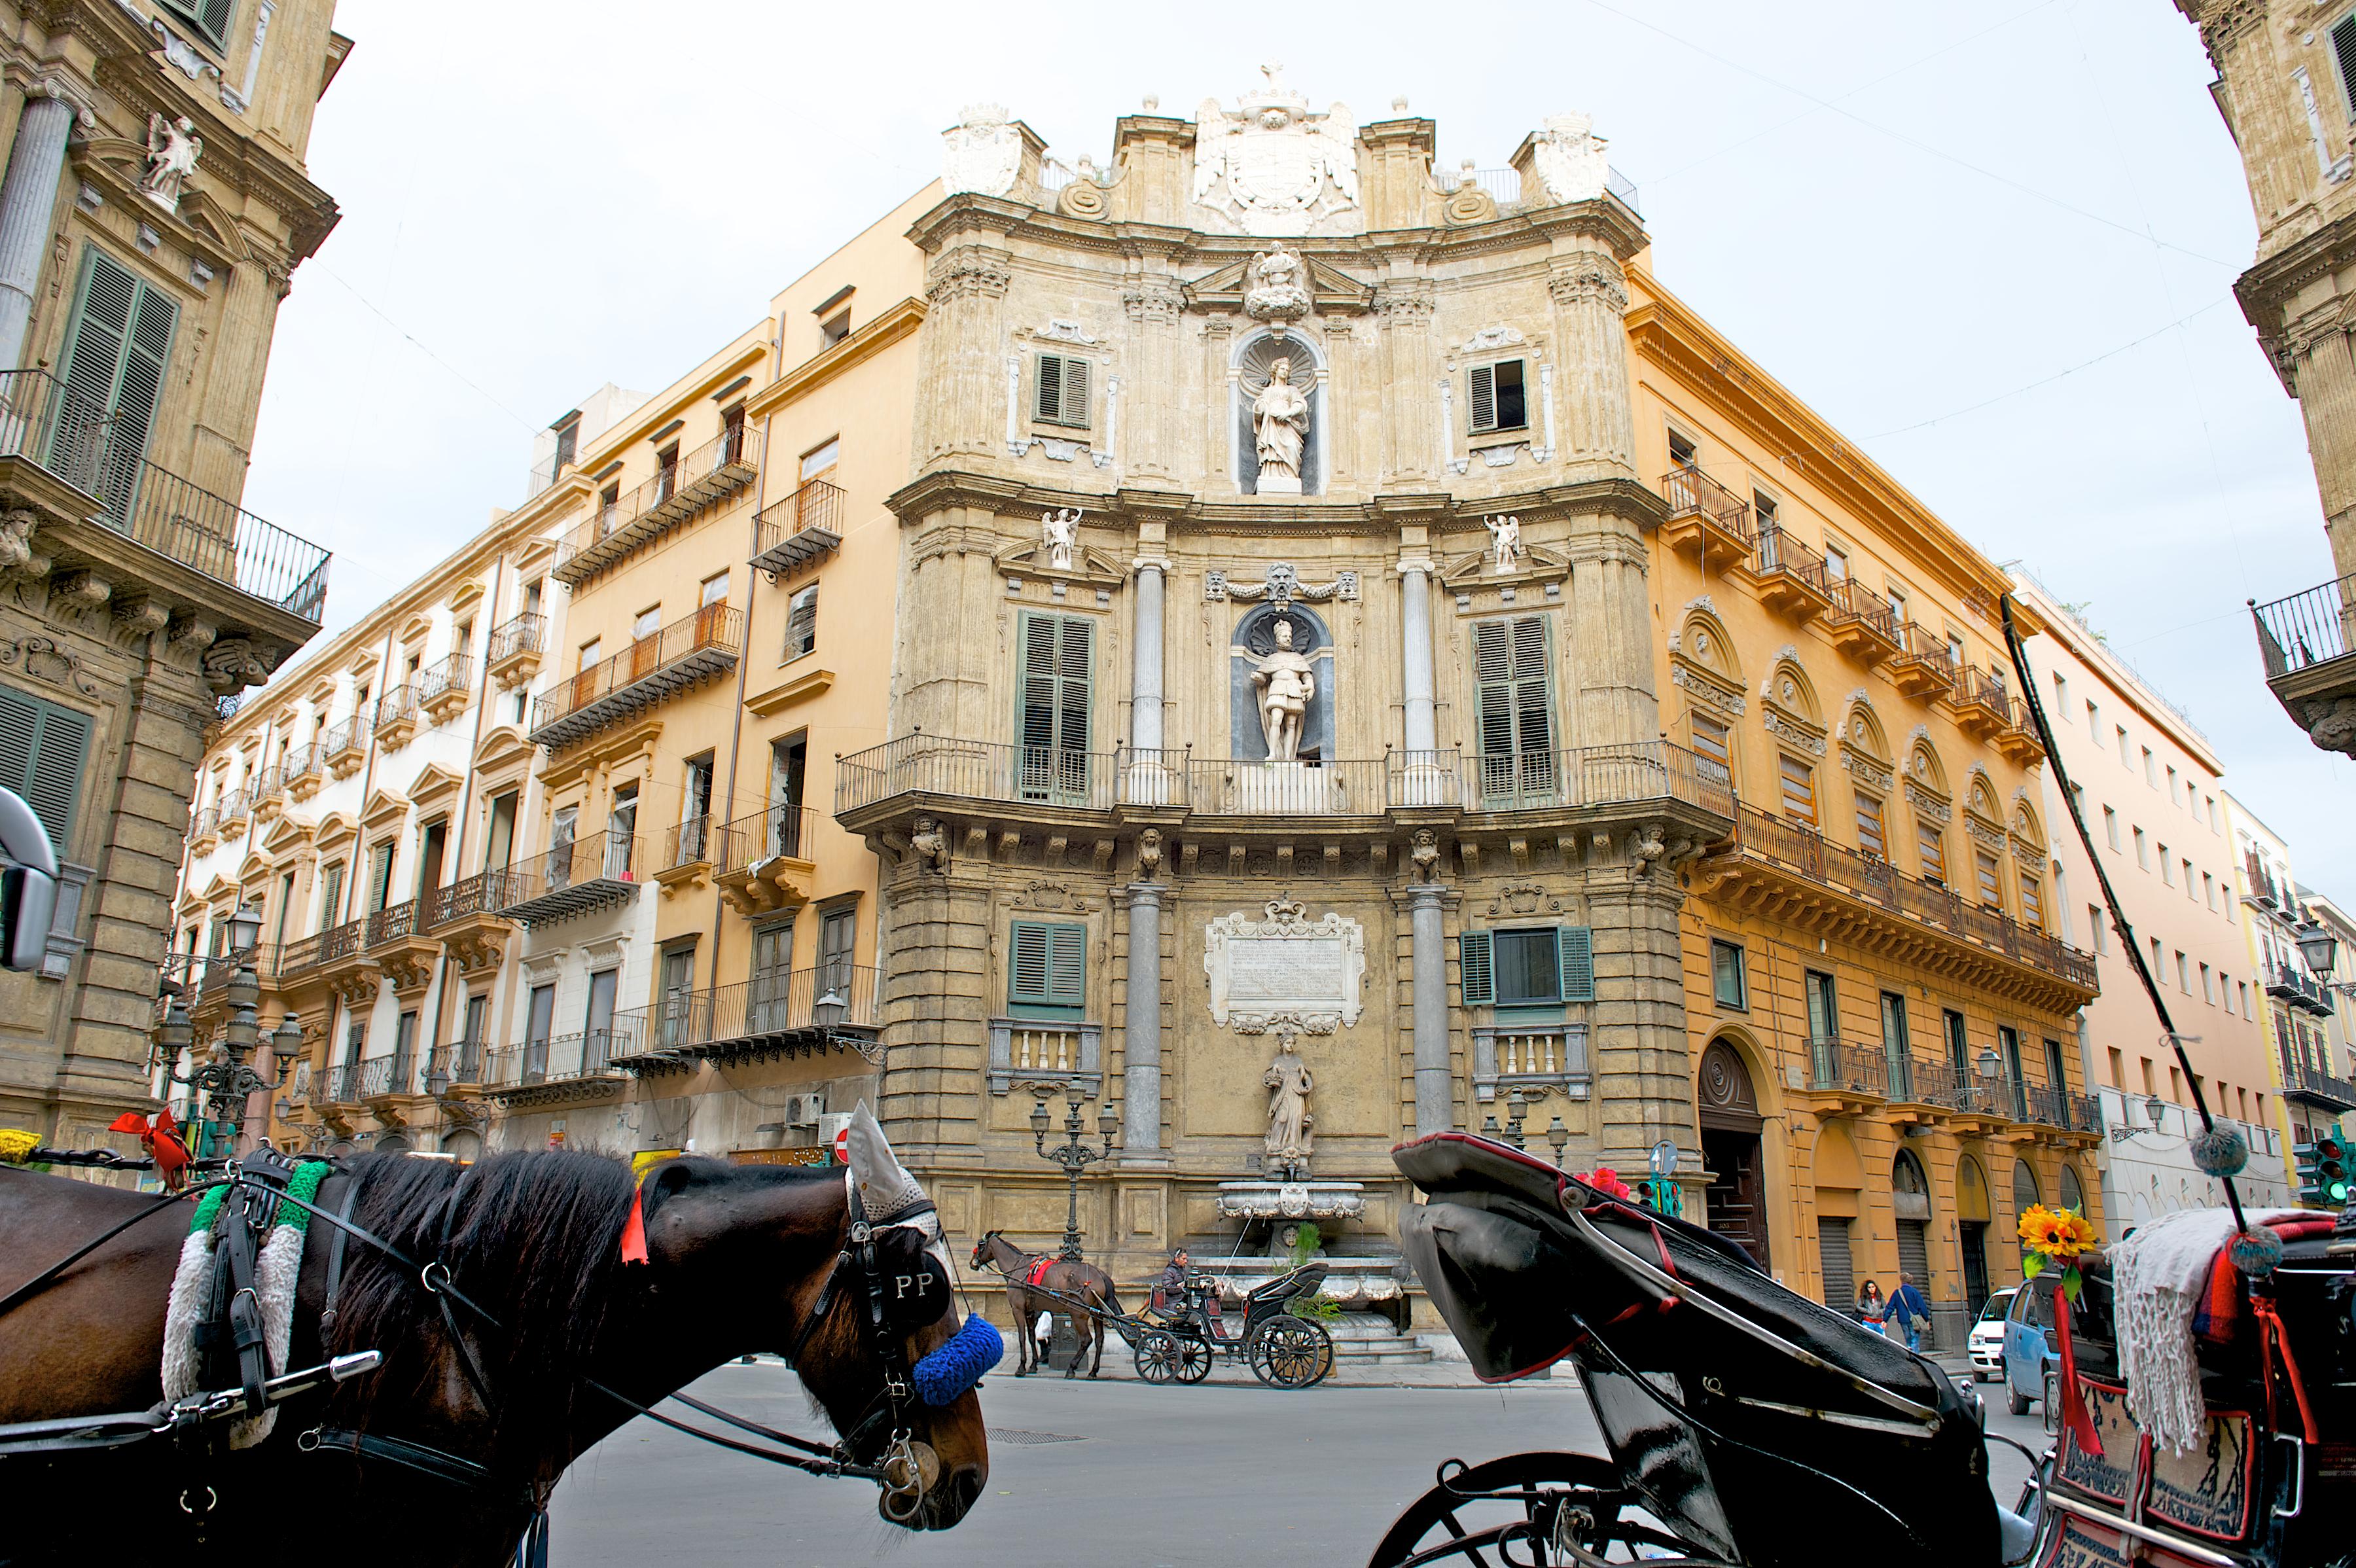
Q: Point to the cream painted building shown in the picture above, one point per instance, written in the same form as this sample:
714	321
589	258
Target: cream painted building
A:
2152	791
2294	1007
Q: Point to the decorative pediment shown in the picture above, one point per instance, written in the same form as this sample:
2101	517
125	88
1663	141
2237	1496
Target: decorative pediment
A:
221	892
1863	754
504	747
382	809
1332	292
469	596
288	835
613	751
322	696
540	551
201	226
433	787
335	828
416	629
1791	709
1536	581
1980	800
786	694
1091	567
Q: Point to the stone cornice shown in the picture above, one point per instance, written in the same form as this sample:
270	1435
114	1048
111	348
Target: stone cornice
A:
897	322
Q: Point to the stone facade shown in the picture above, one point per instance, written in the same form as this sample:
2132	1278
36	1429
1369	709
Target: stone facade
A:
139	599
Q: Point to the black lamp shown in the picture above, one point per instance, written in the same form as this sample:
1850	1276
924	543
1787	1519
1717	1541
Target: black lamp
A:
2317	946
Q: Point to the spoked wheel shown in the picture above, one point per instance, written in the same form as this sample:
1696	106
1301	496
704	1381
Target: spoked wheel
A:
1290	1352
1194	1358
1541	1509
1157	1356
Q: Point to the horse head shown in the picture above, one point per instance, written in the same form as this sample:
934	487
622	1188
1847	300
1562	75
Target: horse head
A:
986	1249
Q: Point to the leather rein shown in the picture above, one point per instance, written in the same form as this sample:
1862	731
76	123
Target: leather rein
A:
905	1471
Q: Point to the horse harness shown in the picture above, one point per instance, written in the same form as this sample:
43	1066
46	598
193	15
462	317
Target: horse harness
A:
231	1342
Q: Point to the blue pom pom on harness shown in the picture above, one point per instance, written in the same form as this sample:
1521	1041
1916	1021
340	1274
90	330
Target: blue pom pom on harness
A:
950	1371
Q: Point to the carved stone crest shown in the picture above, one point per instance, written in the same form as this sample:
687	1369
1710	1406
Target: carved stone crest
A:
981	153
1282	968
42	659
1280	585
1570	158
1272	166
1524	899
1038	895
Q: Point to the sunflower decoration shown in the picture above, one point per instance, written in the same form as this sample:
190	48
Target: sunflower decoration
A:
2054	1238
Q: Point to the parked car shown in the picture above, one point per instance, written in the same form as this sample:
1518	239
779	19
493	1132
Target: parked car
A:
2031	1354
1987	1341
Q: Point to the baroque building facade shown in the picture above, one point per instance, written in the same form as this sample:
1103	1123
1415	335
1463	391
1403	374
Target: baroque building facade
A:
154	205
2286	87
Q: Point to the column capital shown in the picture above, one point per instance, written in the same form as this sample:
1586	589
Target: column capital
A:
1409	564
1146	895
1151	564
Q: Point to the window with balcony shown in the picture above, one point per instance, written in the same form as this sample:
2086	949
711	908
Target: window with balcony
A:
115	364
2032	900
1682	453
380	877
1054	691
1046	971
609	509
667	472
713	591
647	623
1514	704
1823	1011
1835	562
821	458
1498	399
331	896
1059	391
1959	1046
1729	984
838	942
1931	853
1870	837
1895	1049
1526	966
592	653
1763	508
1798	782
499	840
801	623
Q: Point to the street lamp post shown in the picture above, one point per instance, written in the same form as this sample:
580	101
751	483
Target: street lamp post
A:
1073	1156
226	1082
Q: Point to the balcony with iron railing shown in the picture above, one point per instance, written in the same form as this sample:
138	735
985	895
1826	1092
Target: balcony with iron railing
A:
483	894
458	1068
337	947
390	1078
562	1065
1924	666
1794	580
679	489
514	647
1982	700
1768	850
202	980
1862	623
1706	520
762	863
650	671
204	827
342	1084
2304	1082
800	528
580	877
804	1011
2287	983
43	422
2304	641
344	747
396	718
445	689
236	812
307	771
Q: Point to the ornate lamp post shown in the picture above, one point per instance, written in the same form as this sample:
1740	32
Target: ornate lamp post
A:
1557	1136
226	1082
1073	1156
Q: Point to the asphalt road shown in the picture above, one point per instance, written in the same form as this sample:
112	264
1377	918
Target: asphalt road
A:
1087	1475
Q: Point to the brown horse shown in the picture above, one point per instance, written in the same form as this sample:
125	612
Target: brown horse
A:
737	1258
1076	1282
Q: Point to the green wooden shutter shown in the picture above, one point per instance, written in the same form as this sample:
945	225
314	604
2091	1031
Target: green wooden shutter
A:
380	877
1054	691
114	367
1047	389
42	749
1515	705
1532	694
1047	965
1476	970
210	17
1066	965
1575	947
1076	392
1484	398
1026	964
2343	49
1492	666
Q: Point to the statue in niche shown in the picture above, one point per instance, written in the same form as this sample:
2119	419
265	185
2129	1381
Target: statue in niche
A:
1280	428
173	149
1506	542
1276	291
1060	532
1283	686
1291	1123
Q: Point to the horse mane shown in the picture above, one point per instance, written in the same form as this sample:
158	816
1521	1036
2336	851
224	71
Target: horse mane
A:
536	1242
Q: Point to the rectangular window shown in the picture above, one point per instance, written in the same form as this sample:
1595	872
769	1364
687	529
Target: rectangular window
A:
2167	871
2007	1045
1514	708
2093	720
837	947
43	748
498	843
1681	450
114	363
1895	1051
2100	927
2032	901
801	622
2171	784
820	457
331	895
1824	1013
1051	720
1959	1046
1869	827
1513	967
2187	878
2211	802
647	623
2151	775
2061	694
597	1022
1710	744
1727	981
1931	851
2118	1069
1991	879
1799	783
609	509
1498	401
2226	991
675	1017
1835	562
210	18
834	329
2184	975
540	1022
2158	975
1527	969
379	875
1046	970
591	651
2143	853
2207	989
2209	889
714	591
2056	1071
2123	746
2110	826
1059	391
1762	507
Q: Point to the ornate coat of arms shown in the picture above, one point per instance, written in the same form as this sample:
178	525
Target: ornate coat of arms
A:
983	152
1272	166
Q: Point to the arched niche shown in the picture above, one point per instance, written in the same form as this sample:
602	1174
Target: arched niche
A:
1972	1193
1255	358
2073	1191
1255	639
2027	1192
1909	1187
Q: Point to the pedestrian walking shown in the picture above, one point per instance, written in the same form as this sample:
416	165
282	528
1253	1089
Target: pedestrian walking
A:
1910	1311
1870	1306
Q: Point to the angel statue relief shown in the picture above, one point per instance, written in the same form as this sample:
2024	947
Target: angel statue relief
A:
1280	427
1290	1119
1284	684
173	149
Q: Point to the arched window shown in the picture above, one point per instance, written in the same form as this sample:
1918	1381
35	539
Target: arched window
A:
1909	1192
2026	1194
392	1143
2073	1195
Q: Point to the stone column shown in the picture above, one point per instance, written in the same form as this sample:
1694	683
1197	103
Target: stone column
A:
1410	368
1145	669
1435	1085
1141	1078
1591	296
1415	621
1153	305
965	367
28	197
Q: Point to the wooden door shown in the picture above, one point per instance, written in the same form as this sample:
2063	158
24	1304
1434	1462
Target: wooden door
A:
1728	1109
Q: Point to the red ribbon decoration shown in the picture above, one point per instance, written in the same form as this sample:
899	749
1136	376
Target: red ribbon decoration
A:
634	1229
2273	1339
2075	1419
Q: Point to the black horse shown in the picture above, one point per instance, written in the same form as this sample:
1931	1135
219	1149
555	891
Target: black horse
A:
737	1260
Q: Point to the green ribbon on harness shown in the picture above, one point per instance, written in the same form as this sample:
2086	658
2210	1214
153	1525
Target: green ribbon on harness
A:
305	1185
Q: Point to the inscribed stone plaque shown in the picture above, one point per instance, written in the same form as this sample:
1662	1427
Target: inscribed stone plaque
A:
1282	965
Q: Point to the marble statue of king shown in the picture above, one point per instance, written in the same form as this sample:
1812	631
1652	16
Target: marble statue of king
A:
1284	684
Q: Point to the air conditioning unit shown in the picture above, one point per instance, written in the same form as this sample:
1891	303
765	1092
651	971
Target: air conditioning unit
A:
831	1124
804	1110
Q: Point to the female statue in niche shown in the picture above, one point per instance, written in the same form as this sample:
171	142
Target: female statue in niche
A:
1280	425
1290	1119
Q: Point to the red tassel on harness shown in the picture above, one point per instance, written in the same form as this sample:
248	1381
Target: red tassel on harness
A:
2075	1419
634	1230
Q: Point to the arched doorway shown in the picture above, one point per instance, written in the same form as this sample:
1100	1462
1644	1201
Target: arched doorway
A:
465	1146
1909	1192
392	1143
1728	1109
1972	1219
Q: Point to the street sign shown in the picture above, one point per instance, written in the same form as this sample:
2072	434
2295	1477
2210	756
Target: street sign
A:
843	1147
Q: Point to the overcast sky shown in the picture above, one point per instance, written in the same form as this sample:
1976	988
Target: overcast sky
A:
1994	246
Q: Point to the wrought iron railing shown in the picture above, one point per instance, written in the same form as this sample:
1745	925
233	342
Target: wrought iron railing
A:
974	770
336	942
525	633
392	925
305	760
783	830
1837	1067
1983	688
1596	775
462	1060
396	706
204	822
453	676
381	1075
267	784
713	628
837	995
817	504
561	1058
1855	603
484	893
348	737
689	843
677	491
601	857
204	977
344	1083
1778	552
2314	1083
1692	493
2305	629
235	807
2301	990
1919	645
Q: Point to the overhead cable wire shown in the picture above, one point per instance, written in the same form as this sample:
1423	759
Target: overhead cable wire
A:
414	342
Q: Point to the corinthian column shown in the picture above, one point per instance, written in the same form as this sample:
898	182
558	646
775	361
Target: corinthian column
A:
1591	296
28	197
1411	370
1153	305
967	379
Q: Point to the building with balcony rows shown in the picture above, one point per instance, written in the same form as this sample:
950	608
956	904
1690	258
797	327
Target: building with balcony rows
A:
2298	1010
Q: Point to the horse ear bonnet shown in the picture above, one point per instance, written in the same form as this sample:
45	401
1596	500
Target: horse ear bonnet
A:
886	1191
915	1286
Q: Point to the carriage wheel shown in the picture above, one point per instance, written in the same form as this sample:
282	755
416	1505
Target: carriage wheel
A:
1157	1356
1291	1353
1510	1508
1194	1358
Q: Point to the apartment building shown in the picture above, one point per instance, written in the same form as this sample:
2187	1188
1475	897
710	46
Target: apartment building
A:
154	206
2152	791
2295	1006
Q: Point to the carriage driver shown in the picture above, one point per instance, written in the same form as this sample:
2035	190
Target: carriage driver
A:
1181	1287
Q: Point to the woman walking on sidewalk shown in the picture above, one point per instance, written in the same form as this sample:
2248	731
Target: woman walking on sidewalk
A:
1870	1308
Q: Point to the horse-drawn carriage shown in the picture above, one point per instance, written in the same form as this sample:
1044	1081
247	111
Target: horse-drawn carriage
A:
1748	1426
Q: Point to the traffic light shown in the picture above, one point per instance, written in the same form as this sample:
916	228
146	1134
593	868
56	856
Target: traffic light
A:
2322	1168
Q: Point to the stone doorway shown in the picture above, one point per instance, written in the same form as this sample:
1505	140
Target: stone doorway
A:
1728	1109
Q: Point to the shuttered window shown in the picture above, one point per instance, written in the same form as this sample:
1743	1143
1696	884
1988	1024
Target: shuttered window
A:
210	18
1934	853
1526	966
1799	782
1833	1258
1869	827
1052	707
801	623
1046	969
115	364
1499	399
1576	948
2343	49
42	749
1476	969
1516	710
379	875
1059	391
331	896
